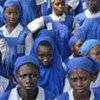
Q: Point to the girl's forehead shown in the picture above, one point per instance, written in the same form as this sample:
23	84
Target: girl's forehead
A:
79	72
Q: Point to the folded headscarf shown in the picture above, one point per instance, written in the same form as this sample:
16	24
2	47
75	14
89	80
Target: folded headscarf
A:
74	39
85	63
23	60
88	45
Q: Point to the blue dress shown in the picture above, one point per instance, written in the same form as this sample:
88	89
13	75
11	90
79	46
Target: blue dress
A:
16	48
29	11
51	78
45	10
47	95
65	96
90	29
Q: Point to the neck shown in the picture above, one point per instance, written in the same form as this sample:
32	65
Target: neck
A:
11	27
28	94
82	96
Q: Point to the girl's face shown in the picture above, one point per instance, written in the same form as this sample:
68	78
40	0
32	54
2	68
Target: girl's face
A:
45	54
58	7
76	48
80	81
12	15
94	4
95	53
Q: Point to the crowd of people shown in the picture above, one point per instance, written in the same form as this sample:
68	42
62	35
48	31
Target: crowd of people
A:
49	49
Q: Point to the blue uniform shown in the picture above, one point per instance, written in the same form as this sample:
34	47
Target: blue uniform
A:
65	96
42	95
29	11
16	47
52	77
90	29
45	10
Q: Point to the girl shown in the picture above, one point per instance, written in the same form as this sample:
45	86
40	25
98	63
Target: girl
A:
27	75
52	74
91	48
79	71
18	38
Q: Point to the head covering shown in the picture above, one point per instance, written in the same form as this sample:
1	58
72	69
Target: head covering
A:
23	60
74	39
88	45
85	63
12	3
54	0
52	77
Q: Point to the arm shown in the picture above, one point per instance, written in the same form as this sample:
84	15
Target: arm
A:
28	43
36	24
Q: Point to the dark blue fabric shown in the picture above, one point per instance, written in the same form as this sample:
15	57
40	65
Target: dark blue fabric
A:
61	36
74	39
45	10
29	11
65	96
1	17
85	63
10	86
90	29
88	45
23	60
80	18
52	77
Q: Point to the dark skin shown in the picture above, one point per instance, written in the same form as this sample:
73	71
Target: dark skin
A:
27	77
95	54
76	48
45	54
12	15
80	81
94	5
58	7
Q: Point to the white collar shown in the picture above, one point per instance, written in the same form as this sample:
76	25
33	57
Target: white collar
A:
14	33
15	96
58	18
92	15
71	97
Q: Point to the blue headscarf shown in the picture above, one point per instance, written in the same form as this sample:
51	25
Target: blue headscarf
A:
52	77
85	63
88	45
74	39
12	3
23	60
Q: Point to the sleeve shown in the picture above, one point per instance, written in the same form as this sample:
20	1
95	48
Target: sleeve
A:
3	48
36	24
73	3
28	43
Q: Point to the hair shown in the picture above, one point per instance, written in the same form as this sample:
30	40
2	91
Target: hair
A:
45	43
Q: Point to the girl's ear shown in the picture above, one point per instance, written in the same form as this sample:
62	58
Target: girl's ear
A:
93	77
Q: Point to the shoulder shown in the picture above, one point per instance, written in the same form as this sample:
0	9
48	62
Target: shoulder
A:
96	92
49	95
63	96
5	96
